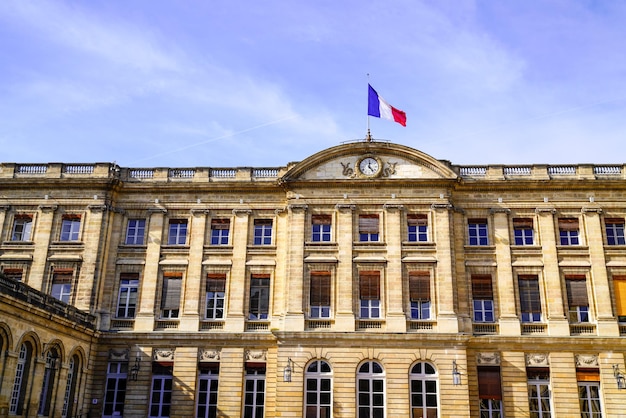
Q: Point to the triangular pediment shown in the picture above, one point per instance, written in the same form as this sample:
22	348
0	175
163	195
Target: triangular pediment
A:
374	160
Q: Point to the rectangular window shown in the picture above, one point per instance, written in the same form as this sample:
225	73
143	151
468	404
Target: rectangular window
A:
419	293
321	228
417	225
127	298
578	302
208	382
568	231
22	228
70	227
589	393
254	392
477	232
115	389
368	228
482	294
369	294
490	392
135	232
259	297
320	294
262	232
62	284
615	231
161	391
14	274
529	299
539	392
177	232
170	296
619	288
215	292
220	229
523	231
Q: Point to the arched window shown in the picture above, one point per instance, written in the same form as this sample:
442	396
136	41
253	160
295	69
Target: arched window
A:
423	384
318	390
371	390
208	381
22	371
73	376
47	387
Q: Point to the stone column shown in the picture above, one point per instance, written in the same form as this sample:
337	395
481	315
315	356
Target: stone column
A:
607	325
294	320
190	318
344	318
396	318
184	380
509	322
515	389
232	372
144	321
41	239
235	317
447	321
557	322
3	212
87	281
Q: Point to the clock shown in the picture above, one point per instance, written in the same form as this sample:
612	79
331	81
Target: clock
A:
369	166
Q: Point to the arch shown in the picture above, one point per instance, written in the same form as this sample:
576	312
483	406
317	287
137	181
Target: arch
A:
424	389
318	389
24	371
370	385
6	337
32	338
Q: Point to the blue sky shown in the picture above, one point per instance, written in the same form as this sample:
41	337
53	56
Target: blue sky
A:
151	83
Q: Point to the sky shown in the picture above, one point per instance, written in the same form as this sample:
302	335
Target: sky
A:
239	83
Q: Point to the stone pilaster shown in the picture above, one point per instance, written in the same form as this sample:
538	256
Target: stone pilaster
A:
557	322
87	281
192	285
444	281
184	382
294	319
344	318
3	213
144	320
235	317
509	322
396	319
41	238
607	326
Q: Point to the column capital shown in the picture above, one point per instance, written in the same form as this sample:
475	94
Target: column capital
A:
239	212
292	207
586	210
5	208
152	211
97	208
48	208
345	206
393	206
442	206
500	210
197	212
545	211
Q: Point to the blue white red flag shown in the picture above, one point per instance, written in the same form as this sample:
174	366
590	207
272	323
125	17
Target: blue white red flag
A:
378	107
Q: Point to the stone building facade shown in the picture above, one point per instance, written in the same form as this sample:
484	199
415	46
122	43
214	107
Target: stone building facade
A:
368	280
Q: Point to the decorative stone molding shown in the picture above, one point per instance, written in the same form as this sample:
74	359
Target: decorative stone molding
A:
209	355
592	210
97	208
389	169
157	210
197	212
163	354
278	211
488	359
587	360
500	210
48	208
345	206
256	355
5	208
442	206
242	212
119	355
547	211
298	206
393	206
537	360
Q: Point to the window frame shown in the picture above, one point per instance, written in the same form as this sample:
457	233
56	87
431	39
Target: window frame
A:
263	231
478	232
417	227
254	392
61	284
420	387
619	295
569	231
538	383
320	294
529	301
369	230
368	400
220	231
318	400
321	228
490	392
70	228
135	231
207	390
19	395
523	231
178	230
25	223
577	292
117	376
215	296
370	294
168	307
615	231
419	295
482	298
161	397
126	302
259	310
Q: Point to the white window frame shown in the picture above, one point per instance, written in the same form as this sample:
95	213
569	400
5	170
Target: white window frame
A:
537	385
569	237
422	378
217	311
491	408
20	381
219	236
321	232
420	309
164	380
475	232
480	306
61	291
124	298
369	309
117	373
135	231
70	229
315	376
208	385
22	229
525	235
67	401
617	233
177	232
372	378
254	385
263	232
584	389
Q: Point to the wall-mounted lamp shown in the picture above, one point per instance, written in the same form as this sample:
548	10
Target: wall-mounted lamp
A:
456	374
619	377
288	370
134	371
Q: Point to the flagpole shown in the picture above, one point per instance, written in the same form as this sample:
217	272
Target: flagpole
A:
368	137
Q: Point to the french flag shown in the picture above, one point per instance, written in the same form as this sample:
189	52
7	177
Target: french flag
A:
378	107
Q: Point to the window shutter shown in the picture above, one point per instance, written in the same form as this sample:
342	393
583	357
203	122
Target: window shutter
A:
576	291
479	221
481	287
220	223
216	283
171	292
619	286
419	285
262	221
529	294
369	282
612	221
129	276
321	219
587	375
489	383
568	224
24	216
368	224
417	219
71	217
320	288
522	223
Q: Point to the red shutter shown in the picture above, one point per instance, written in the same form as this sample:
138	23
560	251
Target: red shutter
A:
320	288
576	290
368	224
489	383
419	285
369	285
481	287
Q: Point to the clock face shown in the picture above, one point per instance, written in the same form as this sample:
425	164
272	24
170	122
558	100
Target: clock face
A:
369	166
